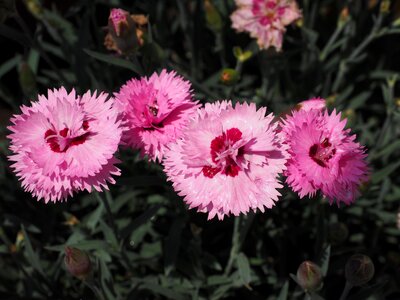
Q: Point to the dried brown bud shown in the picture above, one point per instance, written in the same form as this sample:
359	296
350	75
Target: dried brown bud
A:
77	262
359	269
309	276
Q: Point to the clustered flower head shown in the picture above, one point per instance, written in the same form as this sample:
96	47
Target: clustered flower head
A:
228	160
323	155
65	143
155	110
265	20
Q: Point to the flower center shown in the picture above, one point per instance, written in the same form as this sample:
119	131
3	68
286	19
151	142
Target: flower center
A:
265	10
225	153
150	117
321	153
61	141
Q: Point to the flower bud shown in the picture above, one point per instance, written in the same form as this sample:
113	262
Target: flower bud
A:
229	76
338	233
241	55
314	103
34	7
385	6
344	16
309	276
372	3
213	18
359	269
77	262
125	32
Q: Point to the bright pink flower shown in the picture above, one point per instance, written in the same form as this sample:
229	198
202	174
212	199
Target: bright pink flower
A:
265	20
65	143
324	156
228	160
155	111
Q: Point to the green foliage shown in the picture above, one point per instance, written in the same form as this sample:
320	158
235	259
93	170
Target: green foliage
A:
143	241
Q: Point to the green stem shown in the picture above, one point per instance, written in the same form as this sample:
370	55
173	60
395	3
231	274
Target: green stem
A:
327	49
116	232
346	290
238	69
343	66
96	291
235	245
39	48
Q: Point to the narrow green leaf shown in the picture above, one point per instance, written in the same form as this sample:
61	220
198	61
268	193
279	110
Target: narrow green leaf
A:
9	65
284	291
33	258
324	261
169	293
172	244
143	218
33	60
119	62
244	268
383	173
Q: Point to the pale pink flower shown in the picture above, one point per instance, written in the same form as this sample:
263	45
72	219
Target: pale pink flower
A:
155	111
228	160
265	20
324	156
65	143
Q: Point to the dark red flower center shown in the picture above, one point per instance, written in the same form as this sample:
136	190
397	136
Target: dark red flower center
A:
61	142
321	153
224	155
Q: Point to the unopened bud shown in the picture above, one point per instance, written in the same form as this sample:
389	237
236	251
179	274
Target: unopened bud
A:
313	103
338	233
213	18
349	114
359	269
34	7
77	262
241	55
372	3
300	22
229	76
71	220
385	6
125	32
309	276
344	16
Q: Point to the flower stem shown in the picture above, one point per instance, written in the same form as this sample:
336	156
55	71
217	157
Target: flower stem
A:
116	232
346	290
93	287
235	245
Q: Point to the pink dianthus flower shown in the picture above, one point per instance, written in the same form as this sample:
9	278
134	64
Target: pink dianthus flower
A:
155	111
265	20
324	156
65	143
228	160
